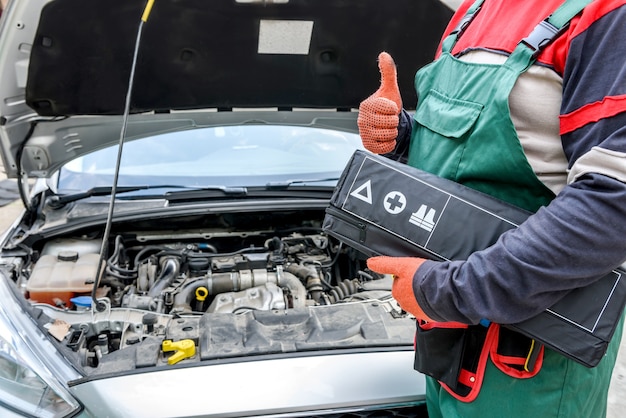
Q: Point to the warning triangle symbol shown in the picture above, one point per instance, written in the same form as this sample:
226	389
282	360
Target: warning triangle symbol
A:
364	192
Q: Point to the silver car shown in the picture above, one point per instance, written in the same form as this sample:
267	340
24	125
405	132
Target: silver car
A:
175	159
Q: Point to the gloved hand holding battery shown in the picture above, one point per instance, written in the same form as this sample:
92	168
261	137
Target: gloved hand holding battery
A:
378	114
403	270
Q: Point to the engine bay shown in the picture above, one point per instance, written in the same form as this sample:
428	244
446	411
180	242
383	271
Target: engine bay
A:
206	288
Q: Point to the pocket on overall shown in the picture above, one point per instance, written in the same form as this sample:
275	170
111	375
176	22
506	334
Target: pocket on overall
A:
457	355
516	355
442	125
444	349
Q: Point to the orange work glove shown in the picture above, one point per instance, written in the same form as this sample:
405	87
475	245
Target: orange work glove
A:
403	269
378	114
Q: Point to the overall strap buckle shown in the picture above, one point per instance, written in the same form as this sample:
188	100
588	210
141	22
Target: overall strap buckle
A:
555	24
541	36
464	23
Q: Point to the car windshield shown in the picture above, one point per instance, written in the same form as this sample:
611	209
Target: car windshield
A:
249	155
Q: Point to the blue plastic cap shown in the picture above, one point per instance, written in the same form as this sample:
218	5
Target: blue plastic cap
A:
83	301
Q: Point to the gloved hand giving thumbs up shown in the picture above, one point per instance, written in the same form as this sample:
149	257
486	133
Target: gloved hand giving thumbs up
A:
378	114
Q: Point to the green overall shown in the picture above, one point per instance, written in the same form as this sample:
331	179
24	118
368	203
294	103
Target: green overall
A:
463	131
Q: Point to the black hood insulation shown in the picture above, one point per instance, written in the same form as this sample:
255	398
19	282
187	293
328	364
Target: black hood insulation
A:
207	54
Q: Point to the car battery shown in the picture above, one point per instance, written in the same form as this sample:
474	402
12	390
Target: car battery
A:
383	207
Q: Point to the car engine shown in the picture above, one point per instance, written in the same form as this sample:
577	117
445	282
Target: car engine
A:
286	272
223	292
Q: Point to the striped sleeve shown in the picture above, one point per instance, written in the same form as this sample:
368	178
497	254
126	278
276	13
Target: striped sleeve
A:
593	110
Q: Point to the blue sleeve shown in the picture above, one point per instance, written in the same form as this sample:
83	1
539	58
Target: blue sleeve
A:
405	127
572	242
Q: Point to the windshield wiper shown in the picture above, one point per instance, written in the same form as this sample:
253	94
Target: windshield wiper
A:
58	201
283	189
286	184
205	193
196	193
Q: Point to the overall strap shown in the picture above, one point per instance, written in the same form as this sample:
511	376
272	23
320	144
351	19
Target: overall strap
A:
450	40
529	48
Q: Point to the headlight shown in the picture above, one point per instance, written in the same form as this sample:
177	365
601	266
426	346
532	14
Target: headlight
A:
31	369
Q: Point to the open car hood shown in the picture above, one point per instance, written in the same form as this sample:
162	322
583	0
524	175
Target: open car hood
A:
75	58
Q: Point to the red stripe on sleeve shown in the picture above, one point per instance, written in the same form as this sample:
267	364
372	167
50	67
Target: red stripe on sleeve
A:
592	112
